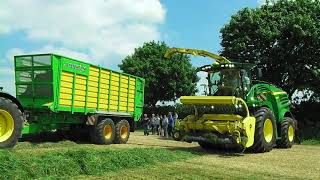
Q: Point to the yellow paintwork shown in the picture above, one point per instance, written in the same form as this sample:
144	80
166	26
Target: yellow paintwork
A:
65	90
196	52
235	125
122	87
249	124
67	74
204	100
66	84
290	133
6	125
64	102
66	78
80	87
268	130
278	93
223	117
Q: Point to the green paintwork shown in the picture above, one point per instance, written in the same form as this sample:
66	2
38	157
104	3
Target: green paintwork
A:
38	82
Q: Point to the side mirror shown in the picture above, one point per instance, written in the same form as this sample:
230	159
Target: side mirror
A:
260	72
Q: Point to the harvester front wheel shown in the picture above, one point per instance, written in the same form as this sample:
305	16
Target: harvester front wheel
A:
177	135
11	123
287	133
104	132
205	145
122	132
264	137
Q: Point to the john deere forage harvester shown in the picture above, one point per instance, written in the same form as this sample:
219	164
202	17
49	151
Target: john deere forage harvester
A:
236	111
54	92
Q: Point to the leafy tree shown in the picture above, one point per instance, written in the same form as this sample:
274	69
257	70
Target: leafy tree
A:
284	36
166	79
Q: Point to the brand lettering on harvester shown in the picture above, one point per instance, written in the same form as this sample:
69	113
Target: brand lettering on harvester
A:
76	67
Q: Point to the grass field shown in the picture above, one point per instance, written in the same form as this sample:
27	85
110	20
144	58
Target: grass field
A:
154	158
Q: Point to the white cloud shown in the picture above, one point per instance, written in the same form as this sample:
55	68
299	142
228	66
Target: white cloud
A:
101	28
100	31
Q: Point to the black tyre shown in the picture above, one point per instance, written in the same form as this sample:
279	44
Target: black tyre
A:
11	123
122	132
265	131
287	133
206	146
104	132
177	135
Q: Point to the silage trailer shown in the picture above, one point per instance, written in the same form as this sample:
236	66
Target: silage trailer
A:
58	93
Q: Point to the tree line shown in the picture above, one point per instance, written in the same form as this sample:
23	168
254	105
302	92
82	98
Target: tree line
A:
283	37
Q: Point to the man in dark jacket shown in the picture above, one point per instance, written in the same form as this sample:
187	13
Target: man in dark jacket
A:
171	124
145	121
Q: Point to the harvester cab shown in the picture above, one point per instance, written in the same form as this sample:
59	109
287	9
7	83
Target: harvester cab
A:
236	112
225	78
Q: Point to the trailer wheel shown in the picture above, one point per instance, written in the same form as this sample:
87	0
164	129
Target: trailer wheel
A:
11	123
105	132
122	132
264	136
287	133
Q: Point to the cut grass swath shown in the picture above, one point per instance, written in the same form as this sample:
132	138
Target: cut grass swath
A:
66	163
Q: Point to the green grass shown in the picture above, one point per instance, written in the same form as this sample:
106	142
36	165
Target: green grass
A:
78	162
311	142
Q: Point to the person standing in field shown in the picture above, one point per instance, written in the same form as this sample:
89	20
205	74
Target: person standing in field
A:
165	123
171	124
157	123
160	125
145	121
153	124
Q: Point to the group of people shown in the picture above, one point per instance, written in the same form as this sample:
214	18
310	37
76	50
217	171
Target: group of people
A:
162	125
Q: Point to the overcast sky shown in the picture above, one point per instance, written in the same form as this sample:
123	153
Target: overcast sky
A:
103	32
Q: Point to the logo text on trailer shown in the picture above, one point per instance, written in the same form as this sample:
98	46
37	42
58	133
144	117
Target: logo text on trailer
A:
76	67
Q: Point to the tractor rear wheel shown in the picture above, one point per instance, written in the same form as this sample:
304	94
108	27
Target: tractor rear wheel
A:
287	133
122	132
104	132
11	123
264	136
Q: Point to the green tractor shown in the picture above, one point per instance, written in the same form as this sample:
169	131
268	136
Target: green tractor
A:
237	111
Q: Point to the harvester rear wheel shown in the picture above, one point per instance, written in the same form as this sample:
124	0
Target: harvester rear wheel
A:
104	132
122	132
11	123
264	137
287	133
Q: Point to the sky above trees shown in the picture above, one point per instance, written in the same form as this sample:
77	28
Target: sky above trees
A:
105	31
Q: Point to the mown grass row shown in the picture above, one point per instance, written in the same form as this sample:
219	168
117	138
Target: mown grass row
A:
315	141
67	163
